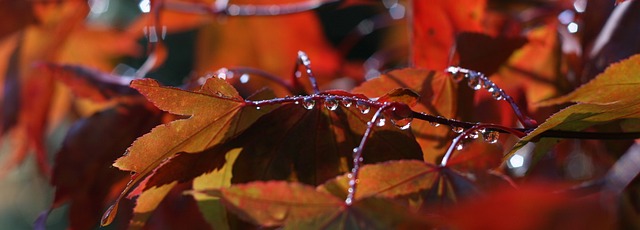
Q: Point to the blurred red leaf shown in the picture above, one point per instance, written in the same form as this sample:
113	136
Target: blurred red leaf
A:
82	175
435	25
484	53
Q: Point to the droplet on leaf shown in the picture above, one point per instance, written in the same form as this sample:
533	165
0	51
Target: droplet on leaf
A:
459	147
257	107
363	107
402	124
308	103
347	102
457	129
491	137
331	103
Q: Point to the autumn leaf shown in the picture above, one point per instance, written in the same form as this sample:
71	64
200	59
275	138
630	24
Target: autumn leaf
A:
484	53
90	83
266	43
435	25
216	113
437	185
15	16
298	206
606	98
437	97
313	145
82	175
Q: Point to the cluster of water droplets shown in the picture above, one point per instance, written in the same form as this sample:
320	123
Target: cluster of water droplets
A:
357	160
332	103
489	136
476	81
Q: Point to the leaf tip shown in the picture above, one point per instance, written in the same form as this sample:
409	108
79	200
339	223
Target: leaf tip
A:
109	215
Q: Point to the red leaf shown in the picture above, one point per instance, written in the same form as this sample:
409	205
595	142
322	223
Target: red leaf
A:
82	175
435	25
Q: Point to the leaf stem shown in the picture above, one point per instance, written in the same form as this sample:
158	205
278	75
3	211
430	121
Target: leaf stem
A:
222	7
488	129
357	154
263	74
303	59
477	80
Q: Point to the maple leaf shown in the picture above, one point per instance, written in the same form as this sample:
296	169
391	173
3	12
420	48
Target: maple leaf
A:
299	206
82	175
606	98
437	97
282	145
435	26
216	113
437	185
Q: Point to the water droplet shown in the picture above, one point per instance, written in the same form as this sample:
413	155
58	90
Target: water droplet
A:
473	135
491	137
434	124
348	201
402	124
331	103
349	175
244	78
457	129
352	182
296	102
473	80
358	160
350	189
381	121
347	102
355	149
308	103
257	107
482	130
459	76
459	147
298	73
363	107
496	92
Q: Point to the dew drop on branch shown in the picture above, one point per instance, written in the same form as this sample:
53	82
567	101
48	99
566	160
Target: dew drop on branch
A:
363	107
402	124
308	103
347	102
457	129
473	135
434	124
473	80
331	103
491	136
381	121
